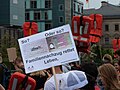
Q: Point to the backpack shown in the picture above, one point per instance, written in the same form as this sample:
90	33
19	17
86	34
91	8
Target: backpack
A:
6	76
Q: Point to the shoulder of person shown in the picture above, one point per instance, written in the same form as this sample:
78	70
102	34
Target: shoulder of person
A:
49	85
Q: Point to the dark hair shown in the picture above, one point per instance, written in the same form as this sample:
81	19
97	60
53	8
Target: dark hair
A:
91	71
119	62
117	52
18	59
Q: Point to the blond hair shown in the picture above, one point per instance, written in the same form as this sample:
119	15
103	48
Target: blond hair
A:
110	77
107	58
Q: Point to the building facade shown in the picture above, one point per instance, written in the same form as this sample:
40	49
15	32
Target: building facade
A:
111	22
51	13
12	12
12	17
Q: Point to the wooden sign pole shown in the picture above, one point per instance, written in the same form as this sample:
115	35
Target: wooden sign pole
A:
56	83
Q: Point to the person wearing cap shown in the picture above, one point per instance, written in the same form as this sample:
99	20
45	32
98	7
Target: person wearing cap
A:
72	80
50	84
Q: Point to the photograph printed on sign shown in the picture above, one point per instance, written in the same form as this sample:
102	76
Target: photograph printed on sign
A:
59	41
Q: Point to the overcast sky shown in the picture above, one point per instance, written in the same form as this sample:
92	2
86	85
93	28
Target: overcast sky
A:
97	3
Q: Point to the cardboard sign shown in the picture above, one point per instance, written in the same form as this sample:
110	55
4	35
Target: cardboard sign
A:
12	55
47	49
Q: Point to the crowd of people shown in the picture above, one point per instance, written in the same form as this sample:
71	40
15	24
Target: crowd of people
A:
75	76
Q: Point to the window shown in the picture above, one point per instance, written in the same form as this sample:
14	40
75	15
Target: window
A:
15	2
116	27
116	37
48	4
106	27
61	7
74	6
60	19
78	8
37	15
15	17
82	9
27	16
47	26
25	4
106	40
46	16
33	4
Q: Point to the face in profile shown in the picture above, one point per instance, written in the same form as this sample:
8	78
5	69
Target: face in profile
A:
20	64
116	66
108	75
102	80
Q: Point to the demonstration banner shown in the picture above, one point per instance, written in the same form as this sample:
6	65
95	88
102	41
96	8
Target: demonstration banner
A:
47	49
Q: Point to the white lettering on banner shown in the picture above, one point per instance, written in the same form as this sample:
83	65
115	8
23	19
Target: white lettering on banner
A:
47	49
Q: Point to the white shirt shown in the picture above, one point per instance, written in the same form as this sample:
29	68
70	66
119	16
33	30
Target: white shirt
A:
71	80
50	84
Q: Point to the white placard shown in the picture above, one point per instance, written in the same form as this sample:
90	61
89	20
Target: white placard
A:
50	48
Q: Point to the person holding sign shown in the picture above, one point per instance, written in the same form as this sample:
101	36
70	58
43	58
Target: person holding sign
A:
50	84
40	77
72	80
48	49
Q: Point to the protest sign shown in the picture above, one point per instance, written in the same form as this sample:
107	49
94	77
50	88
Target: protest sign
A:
47	49
12	55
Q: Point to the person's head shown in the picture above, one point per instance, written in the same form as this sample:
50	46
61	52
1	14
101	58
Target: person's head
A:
109	77
117	54
58	70
91	72
18	62
107	58
116	65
